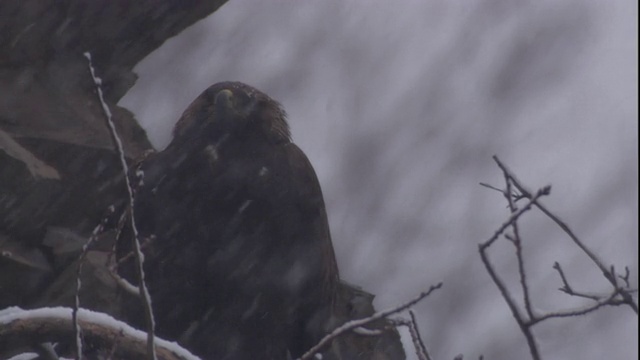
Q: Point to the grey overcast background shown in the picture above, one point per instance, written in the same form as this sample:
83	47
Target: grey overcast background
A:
400	106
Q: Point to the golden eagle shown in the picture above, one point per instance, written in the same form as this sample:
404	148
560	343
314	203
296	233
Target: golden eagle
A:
238	256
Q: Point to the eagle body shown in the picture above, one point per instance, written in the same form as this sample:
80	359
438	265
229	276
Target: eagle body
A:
238	255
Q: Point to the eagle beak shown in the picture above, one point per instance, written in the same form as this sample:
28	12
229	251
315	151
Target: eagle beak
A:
223	100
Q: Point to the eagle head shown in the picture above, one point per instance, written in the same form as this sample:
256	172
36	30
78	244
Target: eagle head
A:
232	109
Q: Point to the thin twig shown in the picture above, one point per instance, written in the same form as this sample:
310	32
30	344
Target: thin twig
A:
566	288
85	248
112	265
514	216
418	347
416	338
565	284
145	296
517	242
506	295
489	186
511	303
610	301
625	277
350	325
122	282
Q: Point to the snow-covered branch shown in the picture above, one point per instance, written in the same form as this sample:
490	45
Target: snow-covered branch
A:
19	328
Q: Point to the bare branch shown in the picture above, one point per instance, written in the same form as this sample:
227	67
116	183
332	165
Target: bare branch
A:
350	325
525	324
511	303
607	273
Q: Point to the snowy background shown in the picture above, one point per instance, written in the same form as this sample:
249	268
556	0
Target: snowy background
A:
400	106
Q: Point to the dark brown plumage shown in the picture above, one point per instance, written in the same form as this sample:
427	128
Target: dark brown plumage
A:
241	265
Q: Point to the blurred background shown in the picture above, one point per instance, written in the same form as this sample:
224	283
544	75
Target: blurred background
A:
400	106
